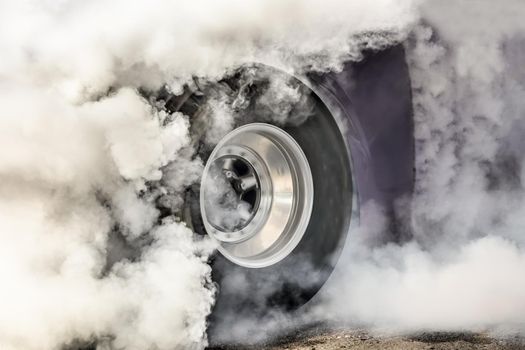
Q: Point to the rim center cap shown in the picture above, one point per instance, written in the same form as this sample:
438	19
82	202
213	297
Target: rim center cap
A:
233	194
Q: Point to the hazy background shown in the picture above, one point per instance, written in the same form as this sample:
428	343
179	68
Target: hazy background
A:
85	161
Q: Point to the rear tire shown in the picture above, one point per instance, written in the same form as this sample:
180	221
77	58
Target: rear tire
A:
248	293
360	147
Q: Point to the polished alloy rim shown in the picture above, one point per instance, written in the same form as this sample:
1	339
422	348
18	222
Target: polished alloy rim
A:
256	195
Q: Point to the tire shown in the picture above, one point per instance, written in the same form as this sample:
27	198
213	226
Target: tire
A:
359	144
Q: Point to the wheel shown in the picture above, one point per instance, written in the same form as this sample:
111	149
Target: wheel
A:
280	198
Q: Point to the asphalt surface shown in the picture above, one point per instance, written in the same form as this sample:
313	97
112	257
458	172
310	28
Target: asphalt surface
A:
358	339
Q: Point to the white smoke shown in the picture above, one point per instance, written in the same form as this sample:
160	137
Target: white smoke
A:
84	158
85	253
82	48
57	162
463	269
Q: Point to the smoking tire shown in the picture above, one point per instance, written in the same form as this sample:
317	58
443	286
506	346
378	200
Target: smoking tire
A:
358	147
295	278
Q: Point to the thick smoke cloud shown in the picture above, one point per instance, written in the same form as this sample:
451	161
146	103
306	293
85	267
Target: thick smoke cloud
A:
93	172
463	269
83	48
70	177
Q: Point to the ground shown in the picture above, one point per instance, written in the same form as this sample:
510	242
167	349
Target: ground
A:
358	339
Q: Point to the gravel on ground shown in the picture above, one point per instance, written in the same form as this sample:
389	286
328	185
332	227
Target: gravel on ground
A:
359	339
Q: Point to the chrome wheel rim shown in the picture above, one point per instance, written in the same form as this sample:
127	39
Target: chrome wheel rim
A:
256	195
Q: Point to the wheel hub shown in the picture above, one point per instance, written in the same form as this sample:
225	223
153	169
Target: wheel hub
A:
256	195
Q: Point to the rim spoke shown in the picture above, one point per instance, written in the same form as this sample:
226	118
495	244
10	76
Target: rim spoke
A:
228	169
247	182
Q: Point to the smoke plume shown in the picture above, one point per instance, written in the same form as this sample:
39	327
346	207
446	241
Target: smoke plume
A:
463	269
93	168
